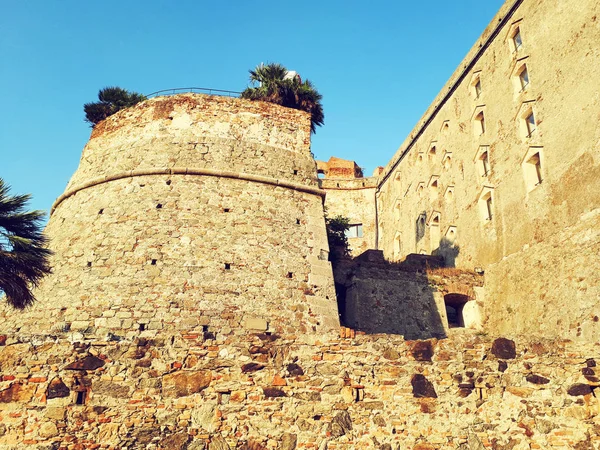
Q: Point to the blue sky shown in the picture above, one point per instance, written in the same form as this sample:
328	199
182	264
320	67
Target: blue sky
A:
378	66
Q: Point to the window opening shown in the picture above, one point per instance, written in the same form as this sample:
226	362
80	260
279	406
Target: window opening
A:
480	124
530	123
485	163
488	205
533	171
80	398
354	231
432	152
397	246
478	88
517	39
420	226
451	234
524	78
433	187
447	162
227	266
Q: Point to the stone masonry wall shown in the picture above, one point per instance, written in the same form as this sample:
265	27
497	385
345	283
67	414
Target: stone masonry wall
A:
176	219
532	233
229	389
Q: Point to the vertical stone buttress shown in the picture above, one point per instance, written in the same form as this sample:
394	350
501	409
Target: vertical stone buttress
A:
189	213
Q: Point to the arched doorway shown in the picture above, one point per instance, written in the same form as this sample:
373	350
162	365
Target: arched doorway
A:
454	309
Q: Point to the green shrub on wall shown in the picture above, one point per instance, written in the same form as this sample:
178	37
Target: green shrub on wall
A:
336	236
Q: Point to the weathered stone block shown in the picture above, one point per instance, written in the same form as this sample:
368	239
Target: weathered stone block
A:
57	389
579	389
422	350
340	424
110	389
55	413
537	379
504	348
48	430
422	387
288	442
17	392
273	392
256	323
88	363
180	384
252	367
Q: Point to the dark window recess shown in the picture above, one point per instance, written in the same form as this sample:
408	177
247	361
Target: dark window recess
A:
159	206
295	172
89	264
226	209
168	182
290	275
297	221
80	398
227	266
153	262
142	326
101	211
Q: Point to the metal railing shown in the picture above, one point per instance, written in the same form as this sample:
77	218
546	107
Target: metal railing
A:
194	90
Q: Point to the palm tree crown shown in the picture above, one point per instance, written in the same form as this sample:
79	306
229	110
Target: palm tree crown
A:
24	258
274	83
111	100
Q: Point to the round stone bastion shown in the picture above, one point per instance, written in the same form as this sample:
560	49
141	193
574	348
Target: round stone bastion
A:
188	213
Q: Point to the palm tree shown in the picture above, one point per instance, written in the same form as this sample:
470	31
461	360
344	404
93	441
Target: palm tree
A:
274	83
111	100
24	258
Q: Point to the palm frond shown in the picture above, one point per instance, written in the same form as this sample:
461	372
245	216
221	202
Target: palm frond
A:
24	256
111	99
271	85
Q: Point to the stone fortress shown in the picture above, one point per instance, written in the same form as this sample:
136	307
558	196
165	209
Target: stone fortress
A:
193	306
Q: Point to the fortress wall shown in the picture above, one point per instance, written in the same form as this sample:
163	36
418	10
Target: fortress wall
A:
231	391
354	199
201	131
538	248
142	254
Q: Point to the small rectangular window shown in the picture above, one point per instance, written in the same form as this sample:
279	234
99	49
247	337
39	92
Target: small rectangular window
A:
488	204
517	39
478	89
524	78
354	231
530	122
485	164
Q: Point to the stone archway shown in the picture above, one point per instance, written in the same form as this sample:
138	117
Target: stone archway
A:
455	303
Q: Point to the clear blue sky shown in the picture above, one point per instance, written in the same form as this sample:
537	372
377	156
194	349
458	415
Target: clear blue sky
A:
377	64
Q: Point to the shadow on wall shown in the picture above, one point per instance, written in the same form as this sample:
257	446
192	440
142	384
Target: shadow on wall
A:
449	251
378	296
